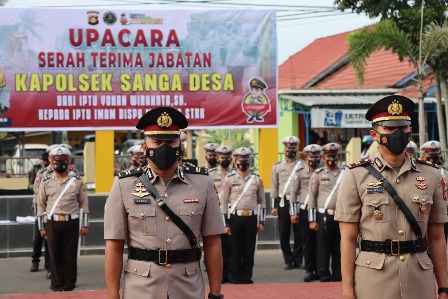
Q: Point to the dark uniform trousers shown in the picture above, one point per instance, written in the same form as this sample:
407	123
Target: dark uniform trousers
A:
309	243
328	245
37	248
63	244
284	229
244	237
226	248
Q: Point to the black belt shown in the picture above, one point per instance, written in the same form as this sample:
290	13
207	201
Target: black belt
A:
163	256
394	247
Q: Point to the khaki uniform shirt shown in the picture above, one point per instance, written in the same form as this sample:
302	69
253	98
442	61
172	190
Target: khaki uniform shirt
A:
234	185
300	185
193	198
322	183
280	174
73	199
407	276
218	177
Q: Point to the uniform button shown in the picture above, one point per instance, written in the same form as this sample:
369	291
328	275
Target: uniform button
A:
402	258
397	181
368	262
193	213
168	241
165	195
428	263
135	270
142	215
423	199
167	218
401	232
168	265
375	202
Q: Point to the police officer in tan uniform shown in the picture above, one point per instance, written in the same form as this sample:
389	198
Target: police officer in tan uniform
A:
324	186
281	178
218	174
299	208
210	154
61	196
402	246
432	152
244	193
164	253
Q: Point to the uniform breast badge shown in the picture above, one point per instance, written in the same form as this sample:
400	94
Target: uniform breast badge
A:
423	208
377	214
140	190
421	183
375	184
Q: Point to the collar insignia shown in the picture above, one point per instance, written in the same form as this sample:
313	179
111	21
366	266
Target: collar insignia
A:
379	163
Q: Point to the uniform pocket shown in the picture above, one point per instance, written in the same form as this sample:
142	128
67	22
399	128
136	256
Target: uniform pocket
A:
191	214
142	219
421	205
141	268
425	262
372	260
377	207
192	268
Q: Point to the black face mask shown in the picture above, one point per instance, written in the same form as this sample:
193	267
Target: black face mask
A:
61	167
225	163
314	163
291	154
135	163
212	162
395	142
432	159
332	162
243	166
164	156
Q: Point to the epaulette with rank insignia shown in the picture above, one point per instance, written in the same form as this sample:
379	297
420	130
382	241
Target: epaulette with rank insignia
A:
45	178
212	169
73	169
42	170
359	163
78	176
277	162
418	160
232	172
319	170
196	170
129	172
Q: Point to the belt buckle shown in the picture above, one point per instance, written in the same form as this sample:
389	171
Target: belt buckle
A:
246	213
62	218
161	256
391	247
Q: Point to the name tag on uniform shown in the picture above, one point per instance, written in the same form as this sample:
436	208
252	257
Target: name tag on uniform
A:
146	201
375	190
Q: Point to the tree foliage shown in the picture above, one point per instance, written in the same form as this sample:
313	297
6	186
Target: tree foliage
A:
237	136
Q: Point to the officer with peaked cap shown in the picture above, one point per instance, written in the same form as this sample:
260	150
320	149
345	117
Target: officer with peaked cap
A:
281	178
210	154
323	192
34	179
396	205
299	207
432	152
411	149
162	231
218	174
61	196
244	193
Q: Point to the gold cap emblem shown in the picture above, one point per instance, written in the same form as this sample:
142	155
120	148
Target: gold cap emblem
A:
395	108
164	120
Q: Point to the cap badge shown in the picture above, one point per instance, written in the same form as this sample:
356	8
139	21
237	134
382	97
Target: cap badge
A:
395	108
164	120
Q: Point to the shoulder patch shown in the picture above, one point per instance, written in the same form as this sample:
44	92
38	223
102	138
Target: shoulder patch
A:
196	170
359	163
45	178
129	172
418	160
319	170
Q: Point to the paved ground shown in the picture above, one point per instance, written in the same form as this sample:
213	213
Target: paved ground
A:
271	281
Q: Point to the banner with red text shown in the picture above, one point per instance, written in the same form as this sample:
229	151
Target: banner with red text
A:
102	69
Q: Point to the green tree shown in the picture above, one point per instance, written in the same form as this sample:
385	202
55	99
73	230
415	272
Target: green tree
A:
386	35
237	136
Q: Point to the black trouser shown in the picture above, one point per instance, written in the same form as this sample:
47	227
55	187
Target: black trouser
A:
226	248
328	245
243	240
37	248
63	244
284	229
309	242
